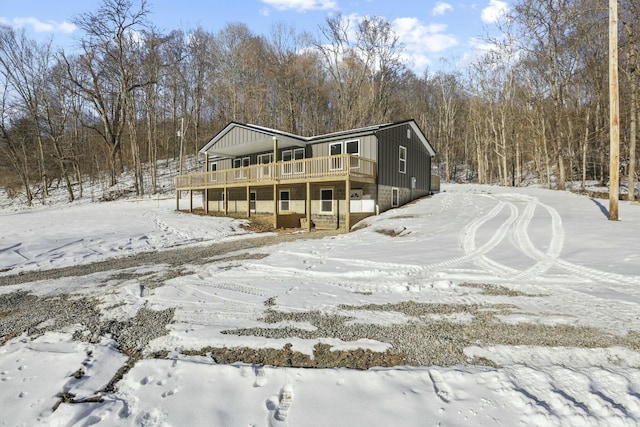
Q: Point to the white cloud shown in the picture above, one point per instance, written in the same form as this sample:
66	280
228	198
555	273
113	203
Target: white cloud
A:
40	26
494	11
441	8
302	5
423	38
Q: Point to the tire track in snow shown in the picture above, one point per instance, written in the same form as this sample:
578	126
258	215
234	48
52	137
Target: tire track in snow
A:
545	260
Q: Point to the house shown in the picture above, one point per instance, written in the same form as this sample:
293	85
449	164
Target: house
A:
325	181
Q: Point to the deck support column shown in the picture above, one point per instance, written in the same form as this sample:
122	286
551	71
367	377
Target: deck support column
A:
226	200
178	200
347	206
190	200
248	202
275	186
205	200
308	206
275	205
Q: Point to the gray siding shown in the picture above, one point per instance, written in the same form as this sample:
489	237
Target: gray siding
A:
418	159
238	136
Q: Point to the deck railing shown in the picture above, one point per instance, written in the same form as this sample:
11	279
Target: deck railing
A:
314	169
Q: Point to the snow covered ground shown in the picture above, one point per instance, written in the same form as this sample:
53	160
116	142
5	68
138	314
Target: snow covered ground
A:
574	267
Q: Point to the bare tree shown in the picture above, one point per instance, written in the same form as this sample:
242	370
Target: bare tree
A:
103	74
24	65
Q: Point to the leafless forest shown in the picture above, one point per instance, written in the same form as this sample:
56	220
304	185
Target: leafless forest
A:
534	105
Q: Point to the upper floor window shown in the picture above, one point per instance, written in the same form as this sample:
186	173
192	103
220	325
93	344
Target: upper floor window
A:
402	158
289	155
353	147
241	162
335	149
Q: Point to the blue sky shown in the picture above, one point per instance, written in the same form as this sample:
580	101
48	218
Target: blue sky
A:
430	30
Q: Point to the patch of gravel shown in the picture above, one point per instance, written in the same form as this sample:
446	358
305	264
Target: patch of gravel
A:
495	290
428	340
22	312
174	258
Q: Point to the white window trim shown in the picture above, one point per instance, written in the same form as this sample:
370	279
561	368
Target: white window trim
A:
357	153
338	164
253	194
267	156
354	164
213	167
265	161
280	200
298	166
323	212
402	163
239	163
397	192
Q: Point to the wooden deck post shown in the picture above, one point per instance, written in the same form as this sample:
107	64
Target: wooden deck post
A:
248	201
275	205
275	186
308	206
226	200
347	212
205	200
178	200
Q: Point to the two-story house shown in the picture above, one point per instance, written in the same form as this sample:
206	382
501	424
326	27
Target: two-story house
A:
324	181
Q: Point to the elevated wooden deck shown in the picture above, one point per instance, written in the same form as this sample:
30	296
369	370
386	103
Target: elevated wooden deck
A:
345	167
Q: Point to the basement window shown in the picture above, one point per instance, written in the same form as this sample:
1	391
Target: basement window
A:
285	200
326	200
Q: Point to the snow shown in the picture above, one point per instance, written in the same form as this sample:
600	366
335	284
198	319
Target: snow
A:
584	269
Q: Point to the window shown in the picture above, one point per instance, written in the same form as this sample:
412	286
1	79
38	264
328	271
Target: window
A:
264	159
213	166
402	155
353	148
285	199
252	201
288	156
326	200
298	154
335	149
408	133
241	163
265	170
395	197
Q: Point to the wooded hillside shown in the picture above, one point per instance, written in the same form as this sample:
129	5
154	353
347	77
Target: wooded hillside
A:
534	105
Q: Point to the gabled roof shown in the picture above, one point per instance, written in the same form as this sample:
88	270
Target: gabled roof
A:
286	139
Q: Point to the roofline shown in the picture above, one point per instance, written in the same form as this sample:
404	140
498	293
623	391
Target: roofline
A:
319	138
266	130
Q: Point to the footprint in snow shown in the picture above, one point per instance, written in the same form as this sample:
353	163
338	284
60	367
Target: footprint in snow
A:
261	377
279	406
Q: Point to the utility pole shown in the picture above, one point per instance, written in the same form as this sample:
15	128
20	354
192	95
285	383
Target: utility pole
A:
181	135
614	113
